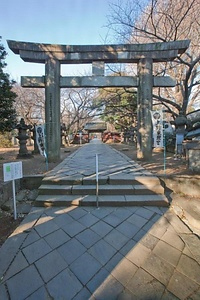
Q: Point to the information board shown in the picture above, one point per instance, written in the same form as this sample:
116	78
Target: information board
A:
12	171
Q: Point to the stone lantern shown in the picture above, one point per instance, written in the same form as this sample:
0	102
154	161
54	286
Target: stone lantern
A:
22	137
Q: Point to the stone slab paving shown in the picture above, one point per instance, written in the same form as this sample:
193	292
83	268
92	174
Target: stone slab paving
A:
81	164
100	253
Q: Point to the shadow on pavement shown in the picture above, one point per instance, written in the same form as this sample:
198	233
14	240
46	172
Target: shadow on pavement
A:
90	253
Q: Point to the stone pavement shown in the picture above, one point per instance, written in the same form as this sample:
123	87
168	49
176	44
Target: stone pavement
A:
100	253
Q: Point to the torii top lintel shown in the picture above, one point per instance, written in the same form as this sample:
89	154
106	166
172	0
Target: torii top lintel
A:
76	54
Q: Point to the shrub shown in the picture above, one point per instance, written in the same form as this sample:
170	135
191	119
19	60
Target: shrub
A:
6	140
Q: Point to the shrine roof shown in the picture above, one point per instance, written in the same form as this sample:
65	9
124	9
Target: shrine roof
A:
95	126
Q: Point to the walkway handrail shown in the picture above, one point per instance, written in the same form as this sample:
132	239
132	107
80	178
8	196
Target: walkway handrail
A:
97	180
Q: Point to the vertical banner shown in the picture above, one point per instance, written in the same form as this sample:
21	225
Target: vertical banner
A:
157	121
40	139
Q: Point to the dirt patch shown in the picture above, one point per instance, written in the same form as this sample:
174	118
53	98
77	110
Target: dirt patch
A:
160	163
34	165
7	225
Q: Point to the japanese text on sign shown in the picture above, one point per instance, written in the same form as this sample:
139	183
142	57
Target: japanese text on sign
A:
12	171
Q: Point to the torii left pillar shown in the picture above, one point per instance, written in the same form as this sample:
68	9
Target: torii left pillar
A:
144	99
52	108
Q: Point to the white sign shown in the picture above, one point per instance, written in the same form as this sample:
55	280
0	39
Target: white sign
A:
12	171
157	121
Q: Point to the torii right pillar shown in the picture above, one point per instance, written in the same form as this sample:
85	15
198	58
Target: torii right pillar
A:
144	124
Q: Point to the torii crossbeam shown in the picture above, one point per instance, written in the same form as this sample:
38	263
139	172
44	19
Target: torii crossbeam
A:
97	55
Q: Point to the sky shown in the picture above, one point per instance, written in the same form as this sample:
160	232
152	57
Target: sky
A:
68	22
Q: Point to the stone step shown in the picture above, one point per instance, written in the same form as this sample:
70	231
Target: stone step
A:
112	179
106	189
103	200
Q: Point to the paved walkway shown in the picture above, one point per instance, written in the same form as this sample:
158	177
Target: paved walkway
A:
121	180
82	163
100	253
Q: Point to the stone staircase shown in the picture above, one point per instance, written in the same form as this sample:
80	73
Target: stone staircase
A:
113	190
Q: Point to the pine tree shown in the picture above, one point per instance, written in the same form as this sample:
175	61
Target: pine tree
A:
7	96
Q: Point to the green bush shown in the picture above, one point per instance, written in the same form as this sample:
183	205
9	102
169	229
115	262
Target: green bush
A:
6	140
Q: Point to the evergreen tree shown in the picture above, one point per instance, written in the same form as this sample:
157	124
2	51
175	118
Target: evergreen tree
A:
7	96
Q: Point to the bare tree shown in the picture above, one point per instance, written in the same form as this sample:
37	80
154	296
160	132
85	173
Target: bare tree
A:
77	108
162	21
30	104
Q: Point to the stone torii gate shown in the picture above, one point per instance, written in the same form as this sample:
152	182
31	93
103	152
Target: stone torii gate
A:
144	55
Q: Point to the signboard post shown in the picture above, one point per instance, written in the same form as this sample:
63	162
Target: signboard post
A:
11	172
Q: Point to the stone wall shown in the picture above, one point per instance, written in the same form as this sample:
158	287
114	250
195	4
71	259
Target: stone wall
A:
183	184
27	182
6	190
